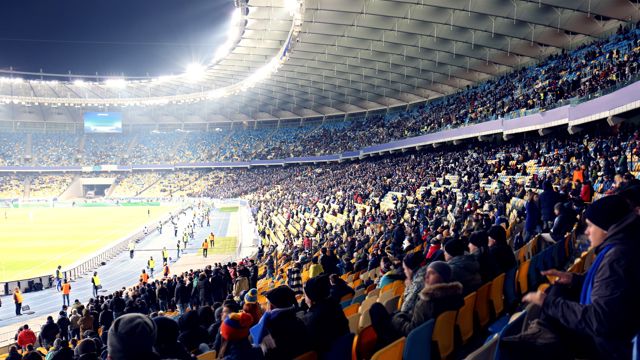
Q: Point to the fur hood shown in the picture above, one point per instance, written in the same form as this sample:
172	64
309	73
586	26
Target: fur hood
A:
441	291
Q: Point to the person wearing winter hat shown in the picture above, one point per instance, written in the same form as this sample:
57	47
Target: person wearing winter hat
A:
465	268
131	337
602	320
479	248
325	320
235	334
167	345
280	333
414	272
500	253
86	350
251	305
439	294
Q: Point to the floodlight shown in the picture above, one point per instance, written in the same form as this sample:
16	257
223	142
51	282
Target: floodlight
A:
195	71
292	6
116	83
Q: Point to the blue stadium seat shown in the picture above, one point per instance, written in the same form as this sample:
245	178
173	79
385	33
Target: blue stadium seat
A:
636	347
513	328
341	348
418	345
510	296
358	299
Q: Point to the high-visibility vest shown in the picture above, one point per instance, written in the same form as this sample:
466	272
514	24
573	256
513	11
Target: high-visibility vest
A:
165	254
205	245
144	277
17	297
66	289
96	281
58	274
166	270
151	264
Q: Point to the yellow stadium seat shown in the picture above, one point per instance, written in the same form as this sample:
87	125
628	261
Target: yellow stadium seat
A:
209	355
443	332
392	351
464	321
371	290
366	304
365	320
346	297
384	296
481	308
386	288
391	304
496	295
522	277
351	309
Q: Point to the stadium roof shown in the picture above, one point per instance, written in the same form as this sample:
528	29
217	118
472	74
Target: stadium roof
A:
332	57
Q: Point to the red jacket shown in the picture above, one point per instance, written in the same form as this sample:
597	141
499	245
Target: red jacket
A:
26	337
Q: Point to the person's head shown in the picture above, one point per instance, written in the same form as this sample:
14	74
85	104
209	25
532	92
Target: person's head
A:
453	248
251	297
131	337
314	260
167	331
86	346
497	236
95	273
411	263
602	215
228	307
557	208
478	240
316	289
438	272
235	326
59	267
25	327
281	297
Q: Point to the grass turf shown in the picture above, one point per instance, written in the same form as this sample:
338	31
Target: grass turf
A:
224	245
34	241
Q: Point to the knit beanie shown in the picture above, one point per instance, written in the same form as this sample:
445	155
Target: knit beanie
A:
607	211
443	269
413	260
131	337
317	288
479	239
167	331
281	297
86	346
236	326
251	296
498	233
454	247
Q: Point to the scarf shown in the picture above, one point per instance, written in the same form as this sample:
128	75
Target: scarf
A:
587	287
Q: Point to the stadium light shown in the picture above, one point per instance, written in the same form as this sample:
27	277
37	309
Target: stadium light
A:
194	71
292	6
116	83
79	82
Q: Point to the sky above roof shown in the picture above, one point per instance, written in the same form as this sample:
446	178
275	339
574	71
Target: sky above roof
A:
111	37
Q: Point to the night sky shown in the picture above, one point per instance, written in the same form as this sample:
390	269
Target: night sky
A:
134	37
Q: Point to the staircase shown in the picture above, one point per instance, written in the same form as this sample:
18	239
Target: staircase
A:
27	187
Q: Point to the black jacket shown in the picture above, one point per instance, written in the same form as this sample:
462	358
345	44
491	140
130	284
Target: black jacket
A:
63	325
340	289
502	257
613	317
325	322
548	199
563	223
434	300
49	331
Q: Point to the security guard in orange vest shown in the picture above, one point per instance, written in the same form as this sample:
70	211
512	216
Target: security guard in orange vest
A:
18	299
66	290
144	277
205	248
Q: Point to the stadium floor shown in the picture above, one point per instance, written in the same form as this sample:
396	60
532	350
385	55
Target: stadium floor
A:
119	272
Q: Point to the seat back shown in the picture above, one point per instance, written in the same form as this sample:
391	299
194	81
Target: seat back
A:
365	320
496	295
512	328
354	320
392	351
486	351
340	349
636	347
209	355
443	331
481	308
347	297
358	299
464	321
522	275
510	297
416	347
373	293
364	344
385	296
351	309
366	304
392	304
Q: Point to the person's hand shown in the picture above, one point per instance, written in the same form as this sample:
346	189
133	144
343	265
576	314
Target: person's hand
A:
561	276
535	298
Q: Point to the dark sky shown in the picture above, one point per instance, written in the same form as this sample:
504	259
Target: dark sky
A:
134	37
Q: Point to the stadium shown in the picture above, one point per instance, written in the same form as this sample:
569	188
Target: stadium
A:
320	179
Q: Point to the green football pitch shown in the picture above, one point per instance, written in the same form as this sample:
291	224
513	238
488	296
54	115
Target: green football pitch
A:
34	241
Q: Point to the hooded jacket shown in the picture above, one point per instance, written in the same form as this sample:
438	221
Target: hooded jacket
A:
466	270
613	317
412	292
433	301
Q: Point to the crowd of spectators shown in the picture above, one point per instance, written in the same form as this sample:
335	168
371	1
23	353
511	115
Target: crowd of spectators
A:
49	186
11	186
